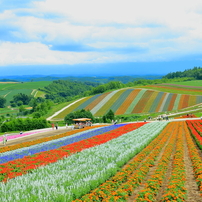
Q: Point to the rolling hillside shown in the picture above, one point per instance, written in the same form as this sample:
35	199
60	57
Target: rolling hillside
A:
132	101
8	89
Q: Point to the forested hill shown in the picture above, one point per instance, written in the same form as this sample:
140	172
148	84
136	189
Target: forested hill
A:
64	89
195	73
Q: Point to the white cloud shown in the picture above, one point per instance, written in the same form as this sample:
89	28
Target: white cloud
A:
167	29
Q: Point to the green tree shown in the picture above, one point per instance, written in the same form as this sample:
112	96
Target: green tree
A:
2	102
110	115
78	114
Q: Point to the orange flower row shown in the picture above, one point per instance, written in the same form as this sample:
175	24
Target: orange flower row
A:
153	184
176	190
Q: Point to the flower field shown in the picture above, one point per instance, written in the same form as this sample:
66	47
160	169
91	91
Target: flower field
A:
156	161
130	100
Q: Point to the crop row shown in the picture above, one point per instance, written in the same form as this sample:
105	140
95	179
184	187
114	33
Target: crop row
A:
76	175
154	183
176	190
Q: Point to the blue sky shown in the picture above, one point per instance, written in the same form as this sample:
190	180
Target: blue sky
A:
91	37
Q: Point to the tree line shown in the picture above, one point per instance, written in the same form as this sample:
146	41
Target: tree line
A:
195	73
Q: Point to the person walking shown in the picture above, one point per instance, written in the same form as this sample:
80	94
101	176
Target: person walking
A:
52	124
56	126
4	139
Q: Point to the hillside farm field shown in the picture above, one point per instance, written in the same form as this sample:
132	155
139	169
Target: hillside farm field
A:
8	90
157	161
132	101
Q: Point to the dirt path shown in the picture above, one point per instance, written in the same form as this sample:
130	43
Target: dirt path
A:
36	136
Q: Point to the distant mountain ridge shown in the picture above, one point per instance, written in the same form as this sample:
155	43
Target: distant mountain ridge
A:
98	79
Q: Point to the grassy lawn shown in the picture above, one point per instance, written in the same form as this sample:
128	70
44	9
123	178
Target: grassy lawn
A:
189	83
24	85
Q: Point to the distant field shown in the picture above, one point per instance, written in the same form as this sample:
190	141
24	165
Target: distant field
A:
189	83
24	85
134	101
8	90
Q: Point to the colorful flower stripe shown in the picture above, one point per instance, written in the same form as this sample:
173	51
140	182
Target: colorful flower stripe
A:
104	109
196	160
176	190
150	102
158	109
167	102
156	102
103	102
108	190
177	101
76	175
11	137
137	96
95	102
175	88
54	144
154	183
172	101
164	101
120	100
45	139
140	105
122	109
86	103
192	100
44	158
194	132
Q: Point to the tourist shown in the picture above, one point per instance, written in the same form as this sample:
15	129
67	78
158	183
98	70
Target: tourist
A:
4	139
52	124
56	126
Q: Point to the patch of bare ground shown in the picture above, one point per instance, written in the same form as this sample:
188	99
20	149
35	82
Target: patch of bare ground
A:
151	172
193	194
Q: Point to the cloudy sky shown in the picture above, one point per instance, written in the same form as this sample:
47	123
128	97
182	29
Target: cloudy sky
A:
124	37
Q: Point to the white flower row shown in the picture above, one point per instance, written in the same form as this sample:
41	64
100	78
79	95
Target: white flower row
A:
79	173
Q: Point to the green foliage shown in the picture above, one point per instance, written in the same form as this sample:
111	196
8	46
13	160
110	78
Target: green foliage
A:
78	114
195	73
64	90
20	124
110	115
2	102
23	98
